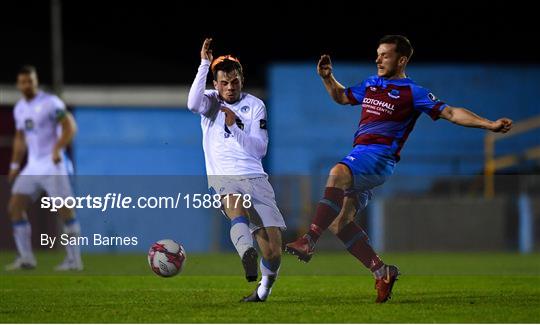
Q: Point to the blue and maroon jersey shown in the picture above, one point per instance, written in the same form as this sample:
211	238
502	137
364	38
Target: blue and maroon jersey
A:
390	108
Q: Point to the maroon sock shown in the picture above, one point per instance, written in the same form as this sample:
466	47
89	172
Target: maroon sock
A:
327	210
356	241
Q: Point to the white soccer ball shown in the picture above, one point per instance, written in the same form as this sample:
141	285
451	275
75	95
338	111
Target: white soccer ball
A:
166	258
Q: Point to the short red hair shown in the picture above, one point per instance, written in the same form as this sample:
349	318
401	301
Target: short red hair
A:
221	59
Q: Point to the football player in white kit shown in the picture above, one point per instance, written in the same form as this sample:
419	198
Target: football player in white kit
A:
235	139
43	128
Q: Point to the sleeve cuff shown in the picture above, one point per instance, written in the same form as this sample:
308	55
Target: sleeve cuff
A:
435	112
205	62
351	97
234	129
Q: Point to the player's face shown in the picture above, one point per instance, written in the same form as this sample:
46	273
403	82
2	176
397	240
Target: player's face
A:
229	85
388	61
27	84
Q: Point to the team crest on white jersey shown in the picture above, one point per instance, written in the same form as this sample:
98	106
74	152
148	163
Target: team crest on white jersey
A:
244	109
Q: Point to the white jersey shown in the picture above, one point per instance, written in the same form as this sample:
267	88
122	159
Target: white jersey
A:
236	150
38	119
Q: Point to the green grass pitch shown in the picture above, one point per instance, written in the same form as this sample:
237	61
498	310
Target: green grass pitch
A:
332	288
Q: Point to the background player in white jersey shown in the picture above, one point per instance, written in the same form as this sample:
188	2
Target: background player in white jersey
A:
43	128
235	139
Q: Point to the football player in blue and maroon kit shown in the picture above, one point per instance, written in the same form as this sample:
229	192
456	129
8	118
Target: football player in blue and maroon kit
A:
391	103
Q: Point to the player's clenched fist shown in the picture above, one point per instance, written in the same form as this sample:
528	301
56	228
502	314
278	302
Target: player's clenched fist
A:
230	117
206	52
502	125
324	67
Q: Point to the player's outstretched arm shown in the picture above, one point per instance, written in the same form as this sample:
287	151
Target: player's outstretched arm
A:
333	87
464	117
197	101
19	149
69	129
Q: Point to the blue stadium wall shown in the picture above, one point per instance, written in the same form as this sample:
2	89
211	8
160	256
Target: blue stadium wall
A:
142	152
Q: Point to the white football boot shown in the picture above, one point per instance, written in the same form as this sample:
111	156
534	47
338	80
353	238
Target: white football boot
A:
22	264
70	265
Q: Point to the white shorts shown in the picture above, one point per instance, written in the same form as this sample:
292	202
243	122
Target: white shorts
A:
264	211
43	175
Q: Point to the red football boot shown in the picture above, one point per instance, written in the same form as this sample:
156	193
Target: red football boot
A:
384	285
302	248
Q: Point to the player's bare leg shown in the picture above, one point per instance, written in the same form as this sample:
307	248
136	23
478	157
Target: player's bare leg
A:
357	243
241	235
71	227
22	231
328	209
269	240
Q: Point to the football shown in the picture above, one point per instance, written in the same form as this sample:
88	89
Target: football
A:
166	258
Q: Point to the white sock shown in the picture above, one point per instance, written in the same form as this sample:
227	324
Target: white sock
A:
240	235
73	229
269	271
22	233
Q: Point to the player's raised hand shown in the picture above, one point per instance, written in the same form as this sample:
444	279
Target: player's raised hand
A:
230	117
502	125
324	67
206	52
